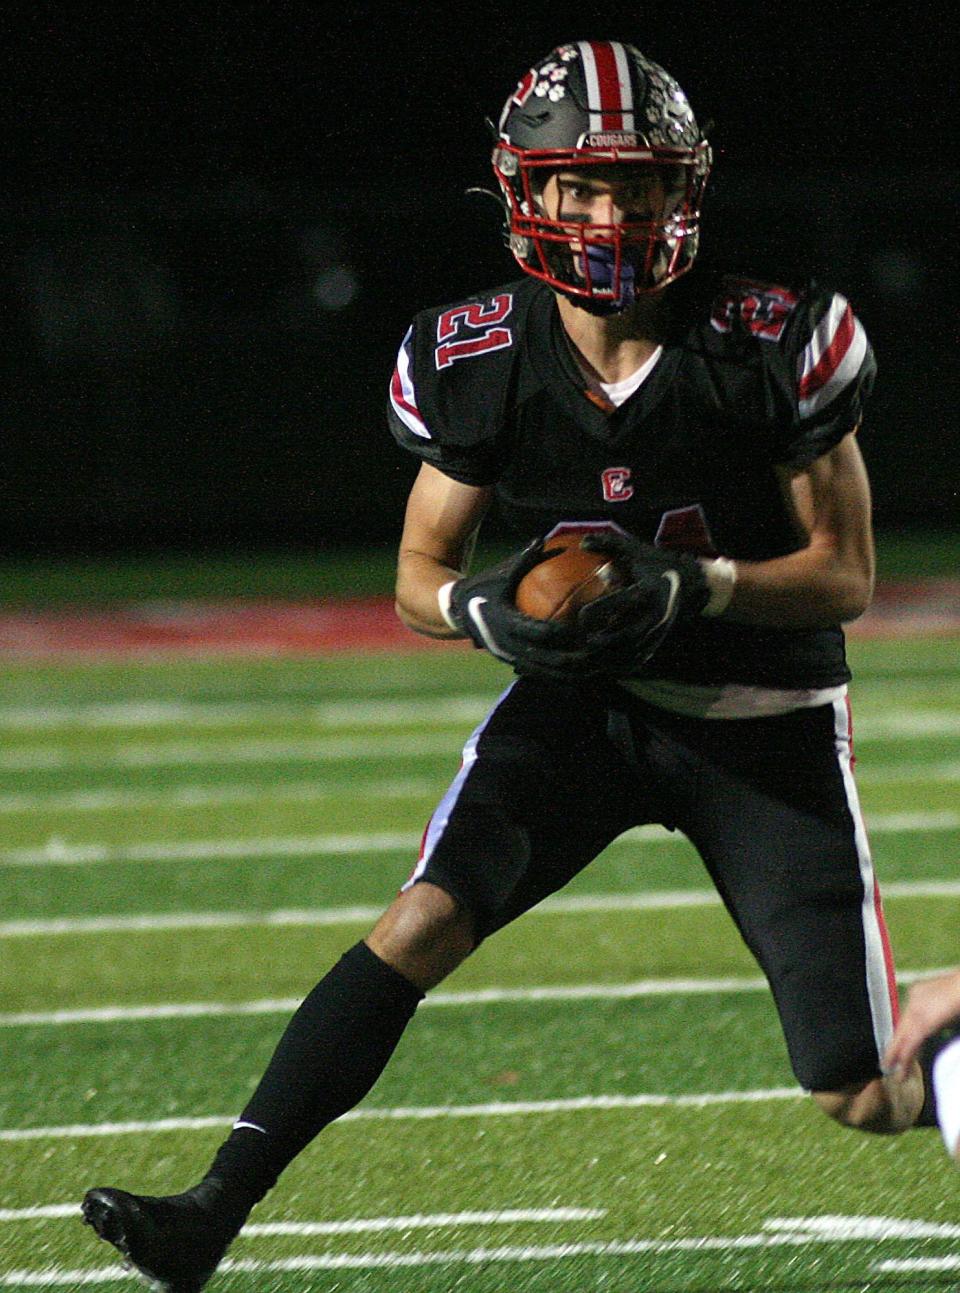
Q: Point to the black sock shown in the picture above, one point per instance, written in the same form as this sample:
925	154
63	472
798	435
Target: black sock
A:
332	1052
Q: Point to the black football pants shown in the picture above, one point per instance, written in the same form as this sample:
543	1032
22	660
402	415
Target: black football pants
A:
556	772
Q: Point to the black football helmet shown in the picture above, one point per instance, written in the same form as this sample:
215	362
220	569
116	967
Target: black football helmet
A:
602	103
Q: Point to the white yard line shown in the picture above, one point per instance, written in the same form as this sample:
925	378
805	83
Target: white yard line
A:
893	823
828	1226
360	1225
425	1221
434	711
478	997
57	852
946	772
129	1014
908	725
791	1236
187	920
422	1113
200	795
146	754
365	711
844	1229
43	1212
654	900
916	1265
122	798
57	1277
467	998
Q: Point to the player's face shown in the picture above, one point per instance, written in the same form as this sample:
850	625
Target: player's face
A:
610	216
613	195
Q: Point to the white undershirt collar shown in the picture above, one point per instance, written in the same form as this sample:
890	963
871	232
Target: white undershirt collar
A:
617	392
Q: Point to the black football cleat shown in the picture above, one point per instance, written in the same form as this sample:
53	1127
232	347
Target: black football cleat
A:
175	1242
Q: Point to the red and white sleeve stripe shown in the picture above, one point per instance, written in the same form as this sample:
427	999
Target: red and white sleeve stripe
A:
831	359
403	396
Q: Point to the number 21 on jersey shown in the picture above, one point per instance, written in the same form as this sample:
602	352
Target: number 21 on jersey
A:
473	329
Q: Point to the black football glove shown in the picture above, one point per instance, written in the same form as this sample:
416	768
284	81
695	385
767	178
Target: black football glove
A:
623	629
482	607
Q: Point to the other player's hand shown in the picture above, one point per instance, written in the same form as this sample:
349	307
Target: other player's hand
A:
932	1003
481	606
623	629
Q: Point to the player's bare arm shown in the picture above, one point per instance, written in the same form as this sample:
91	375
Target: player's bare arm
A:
441	522
830	578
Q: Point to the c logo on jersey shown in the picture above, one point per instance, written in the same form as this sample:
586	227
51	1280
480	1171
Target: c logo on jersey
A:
615	482
474	324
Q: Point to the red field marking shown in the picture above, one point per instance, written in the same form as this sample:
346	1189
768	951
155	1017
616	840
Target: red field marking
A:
923	608
197	628
201	628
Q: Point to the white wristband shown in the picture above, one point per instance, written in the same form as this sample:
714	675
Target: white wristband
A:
443	601
721	575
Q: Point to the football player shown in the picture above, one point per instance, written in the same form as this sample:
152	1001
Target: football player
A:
704	435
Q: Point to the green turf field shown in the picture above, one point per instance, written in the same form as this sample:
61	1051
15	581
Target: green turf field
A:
344	571
598	1100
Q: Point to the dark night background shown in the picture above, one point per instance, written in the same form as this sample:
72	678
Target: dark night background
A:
217	221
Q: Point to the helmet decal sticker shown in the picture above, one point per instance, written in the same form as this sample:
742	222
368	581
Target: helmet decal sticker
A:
609	92
550	82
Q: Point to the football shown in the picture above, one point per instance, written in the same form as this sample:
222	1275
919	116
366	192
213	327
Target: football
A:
557	588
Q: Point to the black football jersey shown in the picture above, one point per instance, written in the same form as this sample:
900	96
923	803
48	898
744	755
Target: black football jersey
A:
750	377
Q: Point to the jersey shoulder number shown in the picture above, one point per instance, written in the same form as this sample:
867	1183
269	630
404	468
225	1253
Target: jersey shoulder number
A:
473	328
761	309
453	378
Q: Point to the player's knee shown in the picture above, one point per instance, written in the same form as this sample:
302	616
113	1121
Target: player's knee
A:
485	852
424	934
883	1106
